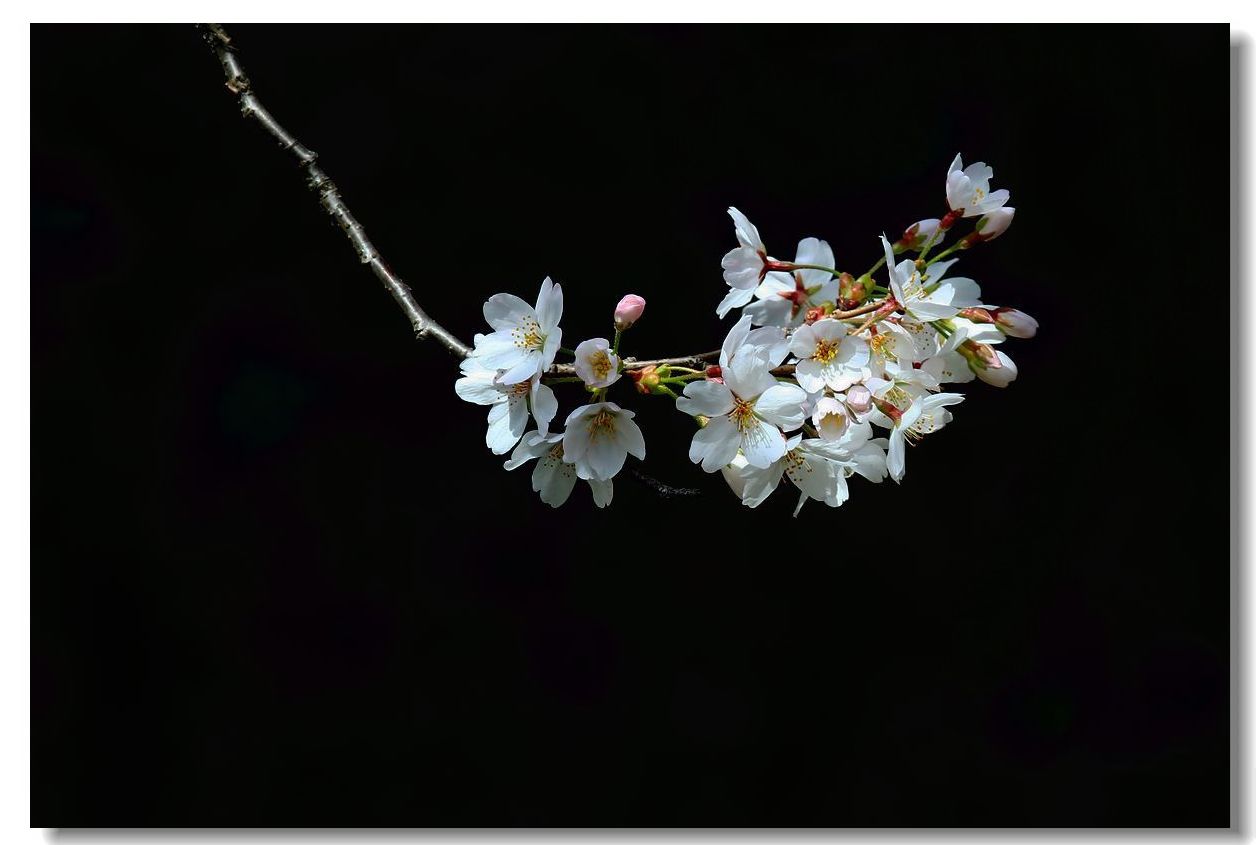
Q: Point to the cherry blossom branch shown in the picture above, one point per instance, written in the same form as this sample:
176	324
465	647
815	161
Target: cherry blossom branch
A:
317	180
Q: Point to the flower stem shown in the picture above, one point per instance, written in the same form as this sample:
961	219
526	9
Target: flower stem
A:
945	253
615	345
570	352
828	270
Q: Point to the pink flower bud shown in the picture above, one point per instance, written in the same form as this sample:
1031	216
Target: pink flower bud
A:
994	224
859	399
1015	323
918	233
628	311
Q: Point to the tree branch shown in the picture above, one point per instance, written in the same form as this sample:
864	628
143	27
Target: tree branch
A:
317	180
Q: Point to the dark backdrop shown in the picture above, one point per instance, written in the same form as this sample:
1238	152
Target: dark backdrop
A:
278	579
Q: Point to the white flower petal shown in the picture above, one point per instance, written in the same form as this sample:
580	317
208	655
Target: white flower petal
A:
549	305
715	445
709	398
735	298
544	406
762	443
781	405
603	492
505	311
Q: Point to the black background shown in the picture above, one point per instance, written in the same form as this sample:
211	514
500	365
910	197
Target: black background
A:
279	580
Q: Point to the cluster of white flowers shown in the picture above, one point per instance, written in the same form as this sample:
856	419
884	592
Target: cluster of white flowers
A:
819	360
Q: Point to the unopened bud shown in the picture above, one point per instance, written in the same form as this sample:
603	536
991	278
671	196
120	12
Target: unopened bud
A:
852	292
859	399
918	234
977	315
813	314
993	224
983	353
628	311
646	379
1000	376
1015	323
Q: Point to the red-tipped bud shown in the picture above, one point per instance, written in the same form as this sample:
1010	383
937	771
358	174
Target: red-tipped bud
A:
645	379
628	311
977	315
852	292
1015	323
918	234
859	399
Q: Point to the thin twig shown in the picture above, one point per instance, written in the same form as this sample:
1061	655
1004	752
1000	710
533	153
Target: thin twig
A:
698	361
238	83
667	491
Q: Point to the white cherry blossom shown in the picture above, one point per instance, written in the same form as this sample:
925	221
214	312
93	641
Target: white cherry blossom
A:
828	356
553	477
596	364
525	339
599	438
747	412
925	415
768	342
968	189
508	416
744	266
928	299
783	298
830	417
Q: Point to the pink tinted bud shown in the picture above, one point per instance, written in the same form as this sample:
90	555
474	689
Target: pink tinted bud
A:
1015	323
994	224
977	315
628	311
859	399
918	233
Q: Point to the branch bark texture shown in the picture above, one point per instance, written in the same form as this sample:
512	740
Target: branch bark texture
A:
318	181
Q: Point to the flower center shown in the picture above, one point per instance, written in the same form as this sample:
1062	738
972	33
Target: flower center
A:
926	423
898	397
796	466
601	423
600	363
742	414
556	451
826	350
528	335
